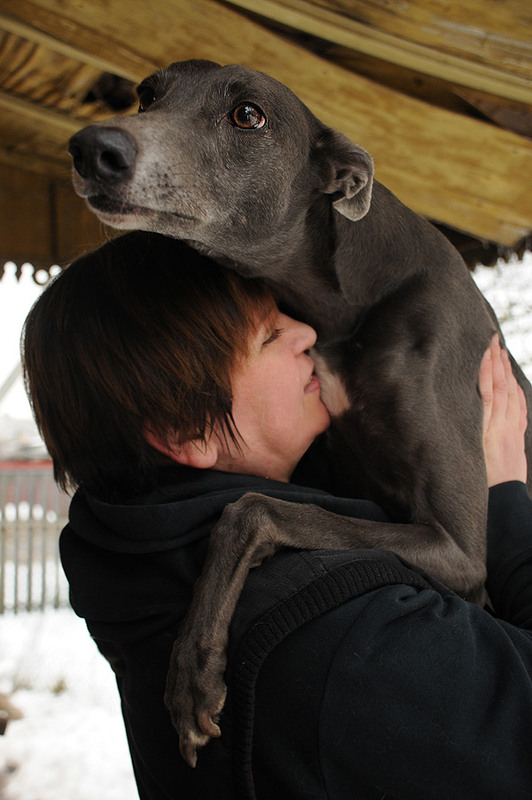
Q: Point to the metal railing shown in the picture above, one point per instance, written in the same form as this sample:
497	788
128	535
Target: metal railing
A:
32	514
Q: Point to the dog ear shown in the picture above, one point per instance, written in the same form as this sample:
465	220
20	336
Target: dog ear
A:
349	174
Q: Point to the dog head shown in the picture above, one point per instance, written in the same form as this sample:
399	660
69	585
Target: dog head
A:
226	157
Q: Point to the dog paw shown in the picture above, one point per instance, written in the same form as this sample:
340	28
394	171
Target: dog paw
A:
195	697
198	728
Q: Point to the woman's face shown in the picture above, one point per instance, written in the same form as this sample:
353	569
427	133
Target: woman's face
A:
277	407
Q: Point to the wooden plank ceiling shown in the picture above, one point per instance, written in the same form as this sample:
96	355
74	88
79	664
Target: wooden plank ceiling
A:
438	91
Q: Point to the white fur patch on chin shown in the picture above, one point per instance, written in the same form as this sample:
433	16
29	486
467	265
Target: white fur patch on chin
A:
332	392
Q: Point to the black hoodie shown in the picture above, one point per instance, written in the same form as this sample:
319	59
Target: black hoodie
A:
400	691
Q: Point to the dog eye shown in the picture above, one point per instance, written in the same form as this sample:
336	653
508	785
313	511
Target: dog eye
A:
146	97
247	117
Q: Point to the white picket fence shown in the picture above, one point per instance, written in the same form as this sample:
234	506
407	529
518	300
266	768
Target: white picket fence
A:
32	514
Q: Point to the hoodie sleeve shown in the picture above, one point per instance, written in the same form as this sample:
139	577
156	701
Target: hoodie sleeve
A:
510	553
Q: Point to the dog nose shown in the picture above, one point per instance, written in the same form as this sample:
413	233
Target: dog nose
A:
107	154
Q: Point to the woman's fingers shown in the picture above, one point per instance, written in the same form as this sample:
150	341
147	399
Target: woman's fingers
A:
485	382
505	417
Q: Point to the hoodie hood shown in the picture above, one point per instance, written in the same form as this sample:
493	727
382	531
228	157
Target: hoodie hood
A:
132	565
182	509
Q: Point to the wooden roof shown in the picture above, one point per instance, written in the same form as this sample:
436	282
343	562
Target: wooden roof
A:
438	91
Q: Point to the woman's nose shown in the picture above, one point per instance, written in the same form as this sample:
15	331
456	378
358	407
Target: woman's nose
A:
303	336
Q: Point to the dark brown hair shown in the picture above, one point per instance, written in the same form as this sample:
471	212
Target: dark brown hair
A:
143	331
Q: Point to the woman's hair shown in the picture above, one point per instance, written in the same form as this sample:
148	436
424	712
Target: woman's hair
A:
143	332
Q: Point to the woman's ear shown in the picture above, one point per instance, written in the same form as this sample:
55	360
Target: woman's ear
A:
195	453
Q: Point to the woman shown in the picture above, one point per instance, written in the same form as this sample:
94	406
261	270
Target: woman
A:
165	388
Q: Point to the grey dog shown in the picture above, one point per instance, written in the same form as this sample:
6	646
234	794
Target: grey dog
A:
232	161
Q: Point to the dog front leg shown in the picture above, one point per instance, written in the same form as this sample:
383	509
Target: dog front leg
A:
248	531
195	690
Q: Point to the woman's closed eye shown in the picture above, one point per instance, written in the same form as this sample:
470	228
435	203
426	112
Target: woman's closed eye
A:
273	336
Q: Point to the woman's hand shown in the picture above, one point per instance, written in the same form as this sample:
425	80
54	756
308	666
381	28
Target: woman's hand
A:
505	417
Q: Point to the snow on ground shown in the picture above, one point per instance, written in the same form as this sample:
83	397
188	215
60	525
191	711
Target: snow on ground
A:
70	743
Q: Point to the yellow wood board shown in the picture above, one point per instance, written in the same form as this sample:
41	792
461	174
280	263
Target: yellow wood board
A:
463	172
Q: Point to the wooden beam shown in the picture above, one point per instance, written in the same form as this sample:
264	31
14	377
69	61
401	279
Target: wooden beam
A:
86	45
24	197
36	164
463	172
62	227
324	23
512	116
42	116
